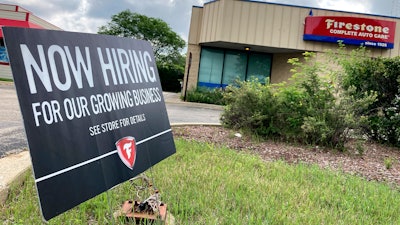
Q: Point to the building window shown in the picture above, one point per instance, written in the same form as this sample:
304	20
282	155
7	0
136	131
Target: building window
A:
210	70
259	66
219	68
234	67
3	53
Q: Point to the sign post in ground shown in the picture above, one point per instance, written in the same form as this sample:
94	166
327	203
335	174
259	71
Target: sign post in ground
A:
93	111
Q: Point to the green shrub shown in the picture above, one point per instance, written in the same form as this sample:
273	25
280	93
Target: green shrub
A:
321	119
6	79
251	106
309	109
363	76
205	95
323	106
389	162
170	77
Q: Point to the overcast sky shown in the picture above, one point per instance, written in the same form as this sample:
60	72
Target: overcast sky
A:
88	15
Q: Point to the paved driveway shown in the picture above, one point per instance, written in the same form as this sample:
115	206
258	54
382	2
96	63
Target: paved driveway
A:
12	134
188	112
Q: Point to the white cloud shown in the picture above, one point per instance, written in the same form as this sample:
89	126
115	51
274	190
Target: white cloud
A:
84	7
78	23
79	20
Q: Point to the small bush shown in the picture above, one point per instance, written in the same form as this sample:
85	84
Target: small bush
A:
309	109
170	77
388	163
359	145
362	76
251	106
206	95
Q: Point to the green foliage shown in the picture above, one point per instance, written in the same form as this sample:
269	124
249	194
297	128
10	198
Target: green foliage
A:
251	106
206	95
6	79
359	147
307	109
365	76
388	162
166	43
170	77
360	95
315	116
236	188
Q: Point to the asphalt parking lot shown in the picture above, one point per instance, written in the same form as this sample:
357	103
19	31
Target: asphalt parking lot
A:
12	133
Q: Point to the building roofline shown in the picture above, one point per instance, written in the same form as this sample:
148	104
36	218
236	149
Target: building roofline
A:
308	7
17	8
210	2
29	15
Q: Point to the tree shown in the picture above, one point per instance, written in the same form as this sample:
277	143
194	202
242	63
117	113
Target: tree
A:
166	43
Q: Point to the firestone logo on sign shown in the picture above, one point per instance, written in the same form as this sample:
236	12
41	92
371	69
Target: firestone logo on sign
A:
126	148
350	30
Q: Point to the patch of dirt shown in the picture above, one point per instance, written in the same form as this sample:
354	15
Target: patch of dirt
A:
374	162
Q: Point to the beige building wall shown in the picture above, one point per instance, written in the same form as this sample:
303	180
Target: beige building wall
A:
4	14
195	25
5	71
193	72
193	48
8	7
26	16
281	68
14	12
272	25
43	23
264	27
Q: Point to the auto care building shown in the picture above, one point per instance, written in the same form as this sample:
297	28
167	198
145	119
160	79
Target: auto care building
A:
16	16
241	39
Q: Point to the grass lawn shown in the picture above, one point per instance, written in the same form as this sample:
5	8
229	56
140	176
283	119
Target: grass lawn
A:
205	184
6	79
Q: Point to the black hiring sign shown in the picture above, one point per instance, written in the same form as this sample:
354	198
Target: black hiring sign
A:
93	111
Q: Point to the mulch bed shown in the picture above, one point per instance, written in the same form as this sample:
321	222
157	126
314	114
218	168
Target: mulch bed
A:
372	164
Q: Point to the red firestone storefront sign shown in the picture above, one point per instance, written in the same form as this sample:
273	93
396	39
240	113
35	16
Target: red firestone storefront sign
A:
350	30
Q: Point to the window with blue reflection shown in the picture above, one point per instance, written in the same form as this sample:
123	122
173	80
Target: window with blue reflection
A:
259	67
3	53
234	67
219	67
210	70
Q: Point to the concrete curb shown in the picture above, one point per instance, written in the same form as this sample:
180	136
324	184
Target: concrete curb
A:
195	124
14	166
6	83
197	105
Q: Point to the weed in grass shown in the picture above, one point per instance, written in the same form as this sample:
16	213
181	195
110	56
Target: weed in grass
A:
232	134
207	184
388	162
360	147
